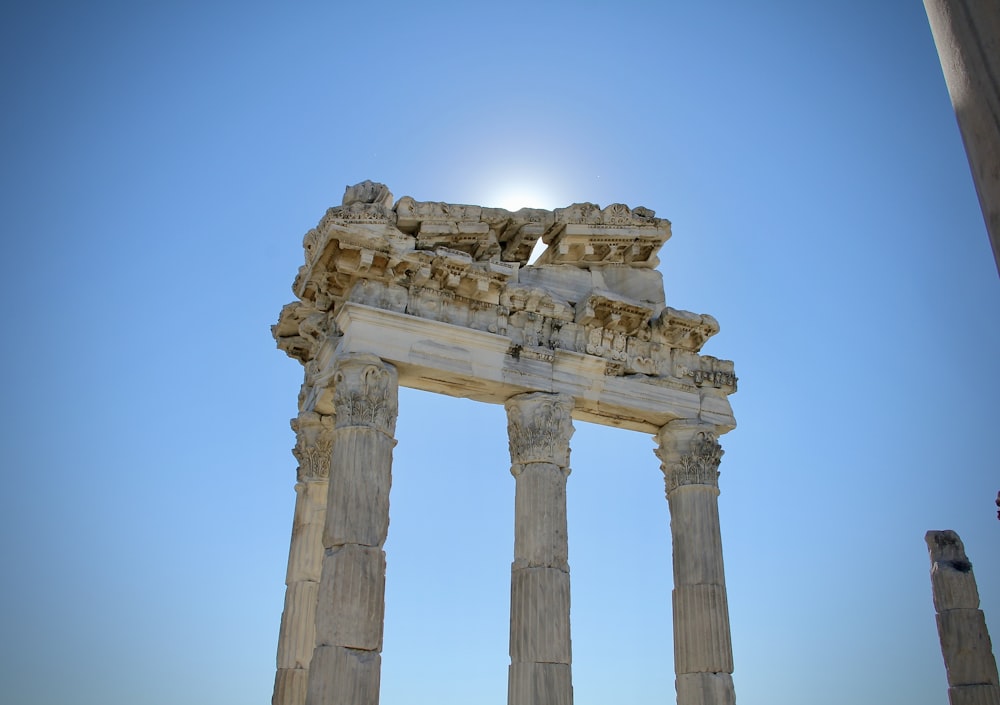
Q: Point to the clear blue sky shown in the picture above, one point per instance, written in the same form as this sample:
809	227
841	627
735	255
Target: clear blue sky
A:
160	165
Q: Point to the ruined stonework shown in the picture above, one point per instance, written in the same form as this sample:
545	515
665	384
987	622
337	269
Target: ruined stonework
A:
965	641
441	297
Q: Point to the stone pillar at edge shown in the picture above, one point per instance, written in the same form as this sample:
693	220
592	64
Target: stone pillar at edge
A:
350	611
965	640
539	428
297	637
703	654
967	36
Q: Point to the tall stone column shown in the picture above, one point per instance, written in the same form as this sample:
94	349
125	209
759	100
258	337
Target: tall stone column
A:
703	653
346	663
539	428
297	638
965	641
967	35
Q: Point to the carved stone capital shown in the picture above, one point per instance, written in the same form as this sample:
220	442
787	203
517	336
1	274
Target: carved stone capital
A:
539	427
313	445
365	393
689	453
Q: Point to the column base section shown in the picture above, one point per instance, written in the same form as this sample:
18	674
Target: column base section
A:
342	676
705	689
974	695
539	684
290	685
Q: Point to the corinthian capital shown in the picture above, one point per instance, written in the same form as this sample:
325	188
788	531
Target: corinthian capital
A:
689	453
313	445
539	428
365	393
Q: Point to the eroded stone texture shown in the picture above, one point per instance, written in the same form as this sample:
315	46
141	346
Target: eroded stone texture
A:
343	676
705	689
548	683
965	641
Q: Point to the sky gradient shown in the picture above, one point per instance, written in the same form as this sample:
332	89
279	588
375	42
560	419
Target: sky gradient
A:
161	164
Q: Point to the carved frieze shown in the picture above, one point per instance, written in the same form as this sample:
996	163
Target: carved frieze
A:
365	393
313	445
429	261
683	329
539	427
586	235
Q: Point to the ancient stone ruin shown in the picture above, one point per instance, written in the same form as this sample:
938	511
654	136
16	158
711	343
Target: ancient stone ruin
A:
441	297
965	640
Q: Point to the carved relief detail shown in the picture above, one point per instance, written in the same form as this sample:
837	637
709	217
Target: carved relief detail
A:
313	445
698	464
365	393
539	427
430	262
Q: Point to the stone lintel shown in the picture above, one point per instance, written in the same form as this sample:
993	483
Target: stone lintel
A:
463	362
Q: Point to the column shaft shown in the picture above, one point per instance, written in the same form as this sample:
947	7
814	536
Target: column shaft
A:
297	636
965	641
539	429
967	35
703	654
346	662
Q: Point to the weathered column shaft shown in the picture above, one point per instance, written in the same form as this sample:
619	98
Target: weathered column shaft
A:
539	428
297	636
967	35
965	641
703	654
346	662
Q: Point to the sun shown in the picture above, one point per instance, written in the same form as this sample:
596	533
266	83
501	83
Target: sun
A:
514	198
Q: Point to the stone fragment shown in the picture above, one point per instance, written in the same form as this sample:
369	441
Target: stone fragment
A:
540	517
305	555
705	689
298	625
290	686
341	676
965	642
351	600
644	285
974	695
539	683
965	637
701	630
539	616
358	503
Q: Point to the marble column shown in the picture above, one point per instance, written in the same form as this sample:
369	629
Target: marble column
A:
967	35
703	654
346	663
539	428
313	435
965	641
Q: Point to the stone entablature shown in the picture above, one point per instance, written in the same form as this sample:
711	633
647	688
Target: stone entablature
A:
593	300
